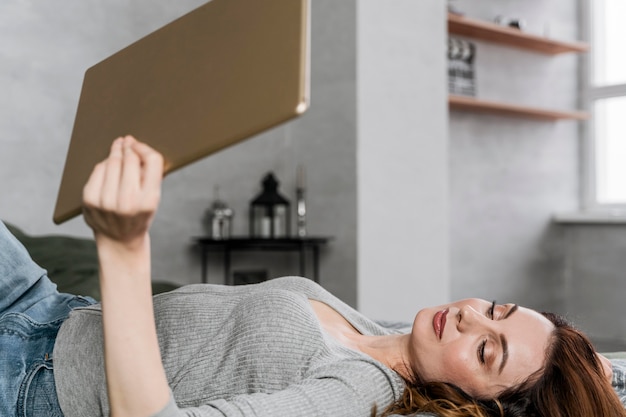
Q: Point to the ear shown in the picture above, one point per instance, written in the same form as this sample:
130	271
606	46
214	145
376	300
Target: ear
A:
606	366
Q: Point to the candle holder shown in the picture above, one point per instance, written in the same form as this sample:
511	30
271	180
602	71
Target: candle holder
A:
218	218
301	202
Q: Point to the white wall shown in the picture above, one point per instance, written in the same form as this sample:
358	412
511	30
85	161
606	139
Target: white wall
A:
45	47
509	175
402	150
400	153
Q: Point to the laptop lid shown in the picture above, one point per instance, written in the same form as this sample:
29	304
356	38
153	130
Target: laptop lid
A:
220	74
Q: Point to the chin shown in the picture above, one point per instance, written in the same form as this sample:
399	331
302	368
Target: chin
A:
422	324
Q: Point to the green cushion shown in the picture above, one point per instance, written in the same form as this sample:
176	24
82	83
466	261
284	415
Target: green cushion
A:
71	262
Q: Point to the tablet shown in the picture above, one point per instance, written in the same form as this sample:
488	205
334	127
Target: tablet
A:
220	74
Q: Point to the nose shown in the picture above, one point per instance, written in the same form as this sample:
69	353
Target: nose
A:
469	319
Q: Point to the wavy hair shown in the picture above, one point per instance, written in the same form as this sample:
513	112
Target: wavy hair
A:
571	384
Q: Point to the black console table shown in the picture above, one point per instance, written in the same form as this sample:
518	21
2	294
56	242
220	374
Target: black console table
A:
294	244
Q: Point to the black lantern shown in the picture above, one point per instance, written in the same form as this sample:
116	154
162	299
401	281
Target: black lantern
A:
269	212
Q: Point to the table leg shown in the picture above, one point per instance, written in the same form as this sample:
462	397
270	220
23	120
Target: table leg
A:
203	261
227	278
316	255
302	259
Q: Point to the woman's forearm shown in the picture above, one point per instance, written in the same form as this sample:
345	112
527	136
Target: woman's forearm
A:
119	203
136	380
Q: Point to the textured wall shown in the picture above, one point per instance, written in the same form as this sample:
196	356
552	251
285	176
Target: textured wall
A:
509	175
595	284
403	246
46	47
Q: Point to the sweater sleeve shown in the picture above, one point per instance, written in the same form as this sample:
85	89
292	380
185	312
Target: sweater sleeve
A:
333	392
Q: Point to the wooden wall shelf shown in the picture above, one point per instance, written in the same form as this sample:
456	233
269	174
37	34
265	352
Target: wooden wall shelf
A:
491	32
510	37
485	106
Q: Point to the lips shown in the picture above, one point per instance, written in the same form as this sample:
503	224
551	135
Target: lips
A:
439	322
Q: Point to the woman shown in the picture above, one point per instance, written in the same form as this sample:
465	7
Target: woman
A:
574	381
282	348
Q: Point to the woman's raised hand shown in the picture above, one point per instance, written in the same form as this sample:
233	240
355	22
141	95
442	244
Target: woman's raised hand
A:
123	192
119	203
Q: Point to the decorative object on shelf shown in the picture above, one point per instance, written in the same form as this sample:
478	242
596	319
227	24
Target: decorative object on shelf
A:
509	37
461	80
452	9
269	212
218	218
301	202
512	22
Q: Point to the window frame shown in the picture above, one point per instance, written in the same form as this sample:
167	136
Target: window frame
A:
591	94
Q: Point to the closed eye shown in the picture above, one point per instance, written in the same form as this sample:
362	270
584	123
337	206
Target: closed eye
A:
483	345
492	310
481	351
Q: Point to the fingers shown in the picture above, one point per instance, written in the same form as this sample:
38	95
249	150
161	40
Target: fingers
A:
153	163
91	191
130	178
112	175
152	172
123	192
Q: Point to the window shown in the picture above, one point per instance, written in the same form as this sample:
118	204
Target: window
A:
606	100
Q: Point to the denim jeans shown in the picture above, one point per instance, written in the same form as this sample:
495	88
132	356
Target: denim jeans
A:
31	313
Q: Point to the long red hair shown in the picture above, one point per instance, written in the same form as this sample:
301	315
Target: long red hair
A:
571	384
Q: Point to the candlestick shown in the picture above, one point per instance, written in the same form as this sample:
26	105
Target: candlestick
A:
300	201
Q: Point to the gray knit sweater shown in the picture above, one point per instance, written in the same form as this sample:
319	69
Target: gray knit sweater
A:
255	350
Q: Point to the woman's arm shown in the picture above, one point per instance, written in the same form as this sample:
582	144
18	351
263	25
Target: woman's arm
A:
120	200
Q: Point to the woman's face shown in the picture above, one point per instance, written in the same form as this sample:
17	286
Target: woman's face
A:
480	347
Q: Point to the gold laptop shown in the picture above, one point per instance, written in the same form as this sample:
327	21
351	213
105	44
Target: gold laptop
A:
222	73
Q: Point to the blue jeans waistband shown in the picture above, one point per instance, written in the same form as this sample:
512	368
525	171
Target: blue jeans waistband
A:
31	313
27	387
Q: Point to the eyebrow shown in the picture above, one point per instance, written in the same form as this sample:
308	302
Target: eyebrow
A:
511	311
503	342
